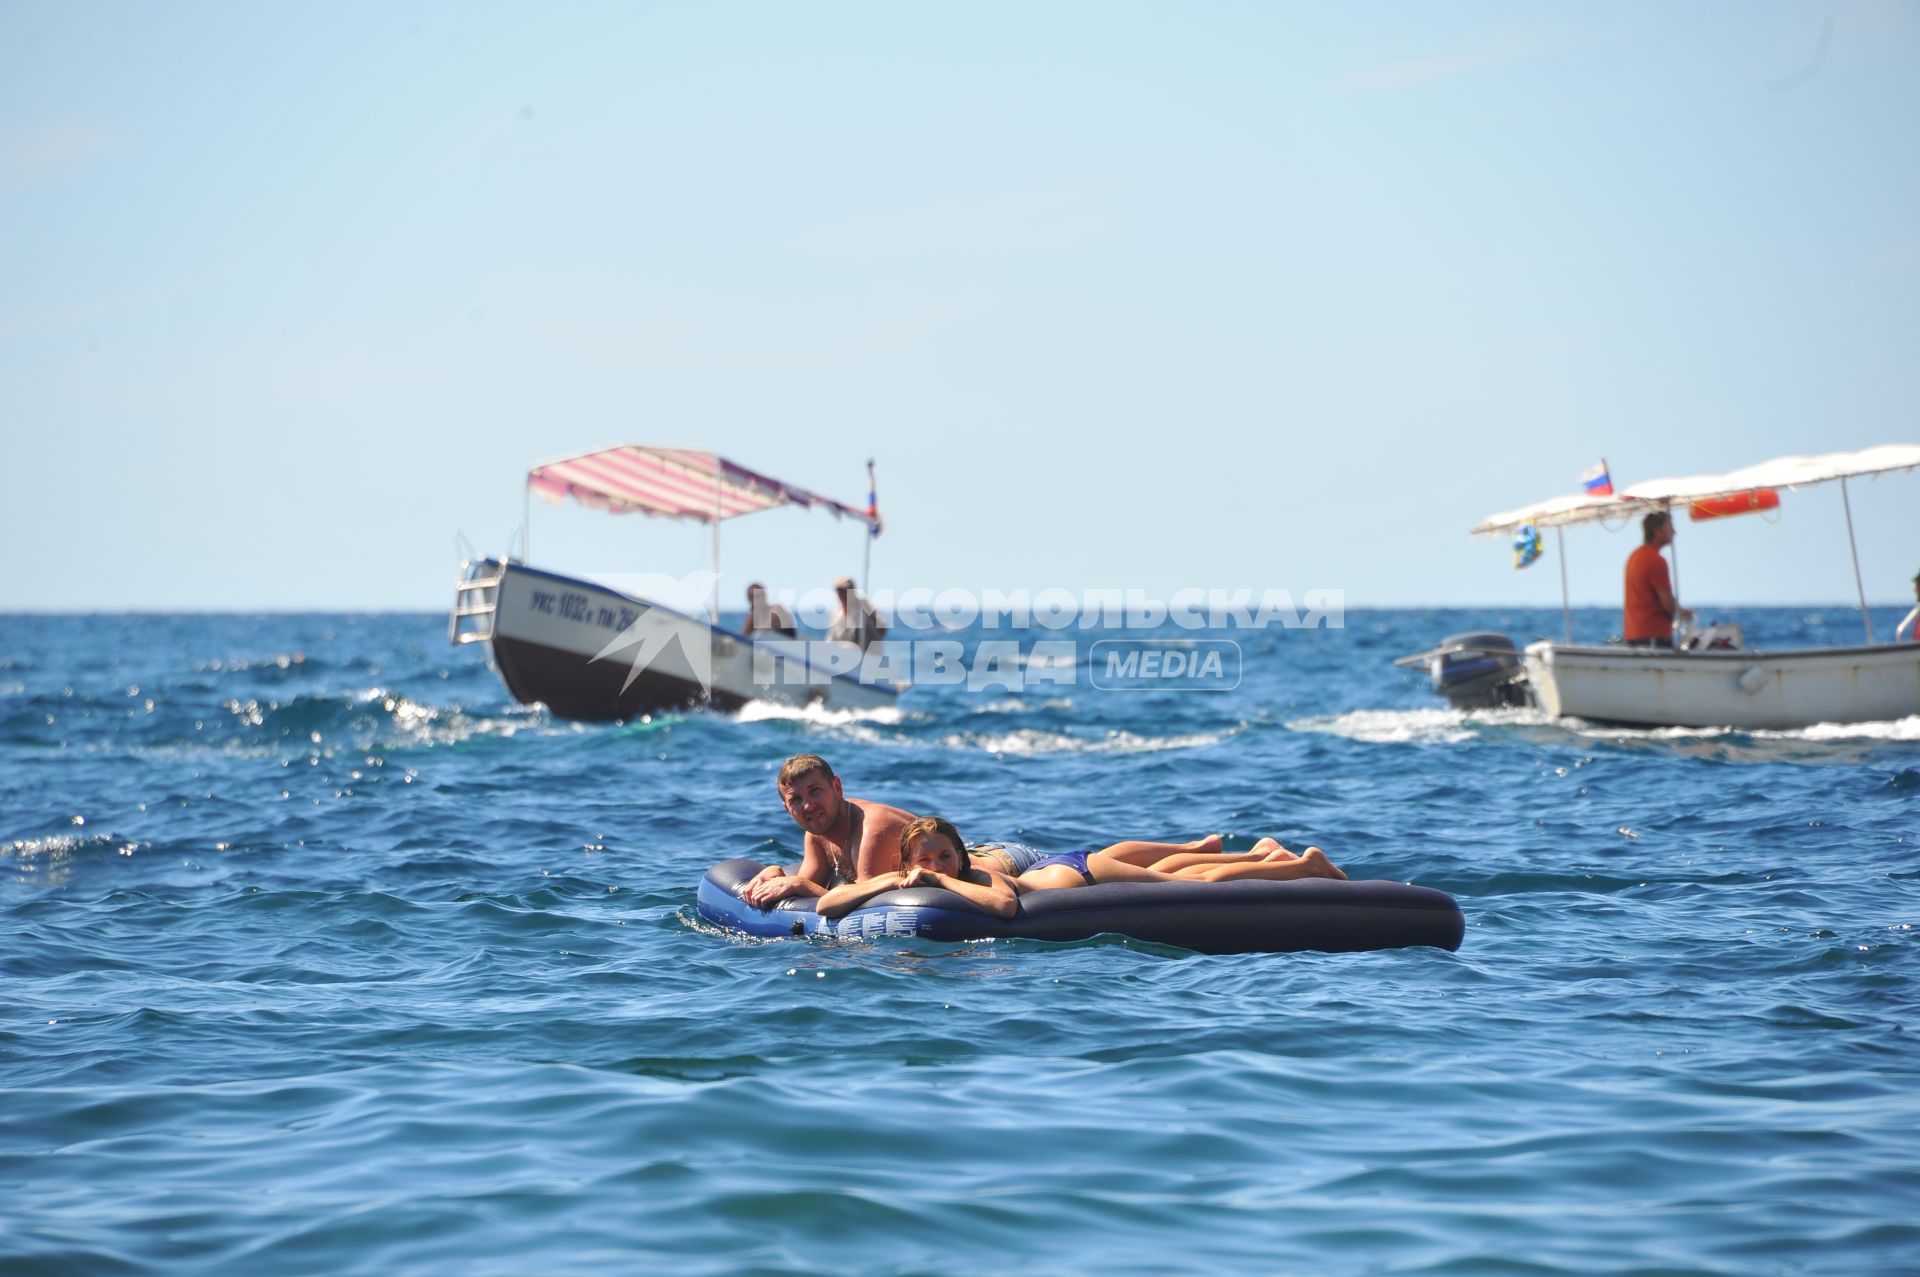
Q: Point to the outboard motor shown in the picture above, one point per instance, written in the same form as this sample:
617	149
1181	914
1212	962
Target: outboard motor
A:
1480	670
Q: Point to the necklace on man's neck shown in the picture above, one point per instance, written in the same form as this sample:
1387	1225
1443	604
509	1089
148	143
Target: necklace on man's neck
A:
839	849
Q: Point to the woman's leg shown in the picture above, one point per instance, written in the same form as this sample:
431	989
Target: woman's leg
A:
1312	863
1105	868
1172	857
1189	859
1270	849
1265	849
1268	860
1136	852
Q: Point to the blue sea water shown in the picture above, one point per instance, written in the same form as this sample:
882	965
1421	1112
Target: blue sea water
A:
318	955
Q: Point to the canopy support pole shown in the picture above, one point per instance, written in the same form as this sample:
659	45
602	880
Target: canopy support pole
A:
1566	611
1673	546
866	555
713	601
526	521
1854	547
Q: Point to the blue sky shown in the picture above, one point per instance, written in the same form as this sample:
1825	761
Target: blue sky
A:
1240	295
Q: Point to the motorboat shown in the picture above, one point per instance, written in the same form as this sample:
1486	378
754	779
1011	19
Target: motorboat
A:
1709	678
589	651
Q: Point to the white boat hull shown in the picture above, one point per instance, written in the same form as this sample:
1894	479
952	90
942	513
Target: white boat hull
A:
1655	687
589	652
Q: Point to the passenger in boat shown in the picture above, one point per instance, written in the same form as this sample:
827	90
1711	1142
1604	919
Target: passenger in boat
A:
931	855
1910	623
857	622
847	839
1650	608
767	617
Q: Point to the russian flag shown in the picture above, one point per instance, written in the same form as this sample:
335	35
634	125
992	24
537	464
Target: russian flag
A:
1597	481
873	505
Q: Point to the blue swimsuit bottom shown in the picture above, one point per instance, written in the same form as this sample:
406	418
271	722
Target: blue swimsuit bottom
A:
1076	860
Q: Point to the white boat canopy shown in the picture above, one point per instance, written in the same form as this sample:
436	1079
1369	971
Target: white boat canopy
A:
675	482
1557	512
1782	472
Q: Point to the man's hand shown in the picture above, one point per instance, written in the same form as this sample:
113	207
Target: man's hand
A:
767	889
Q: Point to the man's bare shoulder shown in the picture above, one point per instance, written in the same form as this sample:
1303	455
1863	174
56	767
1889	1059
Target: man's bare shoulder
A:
882	812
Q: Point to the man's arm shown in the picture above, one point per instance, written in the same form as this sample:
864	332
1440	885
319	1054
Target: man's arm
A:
773	884
1663	591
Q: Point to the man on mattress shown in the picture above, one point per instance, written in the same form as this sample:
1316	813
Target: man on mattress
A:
847	839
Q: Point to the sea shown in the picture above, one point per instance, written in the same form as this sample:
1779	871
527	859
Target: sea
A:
320	955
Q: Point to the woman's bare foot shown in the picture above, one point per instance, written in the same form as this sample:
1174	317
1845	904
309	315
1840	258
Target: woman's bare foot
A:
1315	862
1270	849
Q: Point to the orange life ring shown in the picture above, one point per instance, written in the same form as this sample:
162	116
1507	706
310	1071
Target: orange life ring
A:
1734	503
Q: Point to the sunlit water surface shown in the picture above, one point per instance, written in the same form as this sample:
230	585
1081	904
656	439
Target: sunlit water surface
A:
320	956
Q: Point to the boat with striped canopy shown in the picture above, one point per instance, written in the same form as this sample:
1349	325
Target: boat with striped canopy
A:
589	651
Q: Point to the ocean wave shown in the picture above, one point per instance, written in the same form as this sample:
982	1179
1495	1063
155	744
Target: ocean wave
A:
376	717
242	665
1033	741
1432	726
818	715
371	718
1899	729
1021	705
1021	742
50	862
57	847
1442	726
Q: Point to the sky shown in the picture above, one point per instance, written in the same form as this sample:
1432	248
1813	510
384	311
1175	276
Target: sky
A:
1118	295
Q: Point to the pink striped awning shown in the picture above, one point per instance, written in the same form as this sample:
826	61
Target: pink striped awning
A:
675	482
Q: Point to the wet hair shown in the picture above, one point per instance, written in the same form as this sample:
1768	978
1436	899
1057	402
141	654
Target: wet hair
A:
920	830
801	765
1651	525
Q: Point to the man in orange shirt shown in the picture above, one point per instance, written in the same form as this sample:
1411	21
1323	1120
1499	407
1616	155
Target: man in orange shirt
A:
1650	607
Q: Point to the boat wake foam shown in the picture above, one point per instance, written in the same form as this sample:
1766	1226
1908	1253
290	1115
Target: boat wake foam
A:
1434	726
1452	726
1030	741
769	711
1898	729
